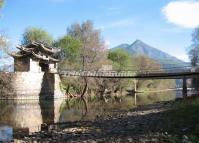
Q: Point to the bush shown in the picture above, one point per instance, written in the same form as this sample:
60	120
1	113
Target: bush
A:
5	84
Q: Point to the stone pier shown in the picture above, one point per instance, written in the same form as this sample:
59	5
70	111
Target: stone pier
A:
184	88
29	85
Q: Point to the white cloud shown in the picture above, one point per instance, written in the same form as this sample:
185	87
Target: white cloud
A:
184	13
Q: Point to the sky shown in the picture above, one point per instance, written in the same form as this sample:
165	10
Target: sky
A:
163	24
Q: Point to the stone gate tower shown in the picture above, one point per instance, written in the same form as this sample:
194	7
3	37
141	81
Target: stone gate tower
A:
35	72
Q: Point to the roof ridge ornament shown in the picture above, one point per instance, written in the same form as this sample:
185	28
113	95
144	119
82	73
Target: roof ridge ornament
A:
38	50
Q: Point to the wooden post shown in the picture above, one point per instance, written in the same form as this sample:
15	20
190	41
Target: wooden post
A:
184	90
135	94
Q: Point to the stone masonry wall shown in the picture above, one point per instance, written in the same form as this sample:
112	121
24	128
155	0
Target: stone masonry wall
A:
27	85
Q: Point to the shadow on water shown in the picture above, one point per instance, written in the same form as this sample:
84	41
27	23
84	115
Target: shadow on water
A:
47	108
23	117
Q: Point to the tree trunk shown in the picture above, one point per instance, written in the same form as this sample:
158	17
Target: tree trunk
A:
83	93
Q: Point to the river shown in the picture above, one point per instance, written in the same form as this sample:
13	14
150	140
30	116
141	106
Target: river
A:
21	117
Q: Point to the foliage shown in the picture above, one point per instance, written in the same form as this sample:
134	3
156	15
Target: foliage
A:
5	84
36	34
71	49
144	63
194	51
90	53
93	47
1	3
194	55
120	58
183	119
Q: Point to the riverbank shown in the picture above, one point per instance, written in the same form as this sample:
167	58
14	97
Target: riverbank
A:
169	122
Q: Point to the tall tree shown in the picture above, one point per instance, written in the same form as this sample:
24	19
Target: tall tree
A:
36	34
120	58
92	50
194	52
70	53
194	56
93	46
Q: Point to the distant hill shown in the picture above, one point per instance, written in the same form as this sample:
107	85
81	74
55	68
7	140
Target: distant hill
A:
141	48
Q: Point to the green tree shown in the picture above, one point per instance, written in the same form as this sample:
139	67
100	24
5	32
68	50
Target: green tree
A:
70	54
120	58
36	34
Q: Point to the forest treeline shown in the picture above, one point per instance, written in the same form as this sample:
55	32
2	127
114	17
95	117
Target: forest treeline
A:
83	48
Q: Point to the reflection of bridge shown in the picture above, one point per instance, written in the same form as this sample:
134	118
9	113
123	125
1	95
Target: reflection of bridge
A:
171	73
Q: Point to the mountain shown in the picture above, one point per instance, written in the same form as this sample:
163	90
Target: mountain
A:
141	48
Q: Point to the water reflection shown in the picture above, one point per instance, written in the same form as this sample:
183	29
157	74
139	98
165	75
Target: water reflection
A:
6	133
25	117
18	118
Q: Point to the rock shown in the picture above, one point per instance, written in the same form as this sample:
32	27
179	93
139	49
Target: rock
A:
186	139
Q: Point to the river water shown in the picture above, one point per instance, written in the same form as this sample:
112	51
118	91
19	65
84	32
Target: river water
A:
23	117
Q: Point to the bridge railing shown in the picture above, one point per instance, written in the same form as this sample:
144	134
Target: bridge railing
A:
97	73
124	73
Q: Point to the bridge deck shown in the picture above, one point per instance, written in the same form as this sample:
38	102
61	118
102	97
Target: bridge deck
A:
133	74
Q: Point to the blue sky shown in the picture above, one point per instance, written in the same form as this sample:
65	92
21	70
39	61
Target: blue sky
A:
157	22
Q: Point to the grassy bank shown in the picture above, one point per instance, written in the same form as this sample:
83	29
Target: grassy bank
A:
183	119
